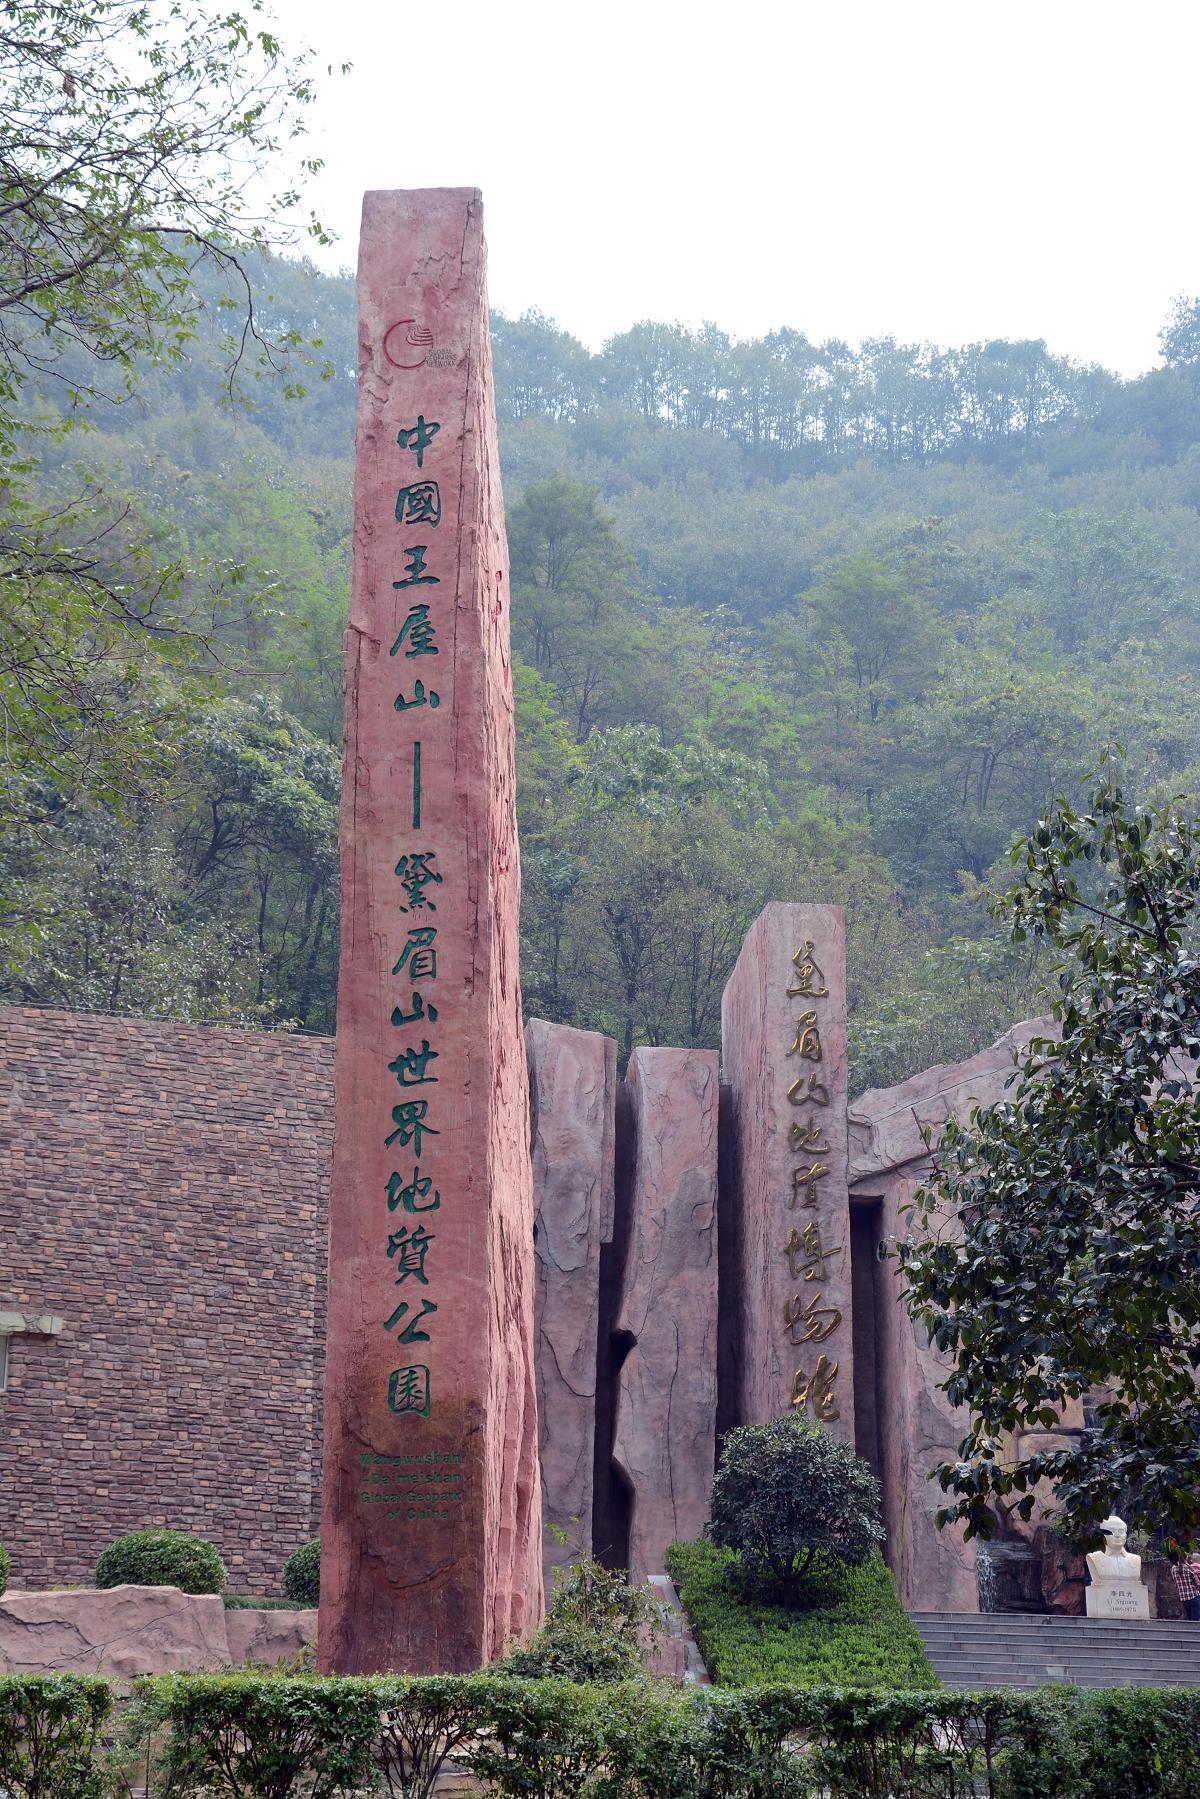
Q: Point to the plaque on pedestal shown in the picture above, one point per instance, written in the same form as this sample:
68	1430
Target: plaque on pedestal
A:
1117	1599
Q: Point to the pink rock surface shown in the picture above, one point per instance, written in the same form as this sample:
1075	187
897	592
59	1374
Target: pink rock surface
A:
667	1389
915	1423
783	1055
431	1539
265	1638
118	1632
572	1080
885	1123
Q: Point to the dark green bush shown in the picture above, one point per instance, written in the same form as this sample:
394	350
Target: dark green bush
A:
1137	1743
853	1633
596	1627
5	1568
162	1558
246	1736
302	1574
424	1722
546	1738
786	1493
573	1652
50	1736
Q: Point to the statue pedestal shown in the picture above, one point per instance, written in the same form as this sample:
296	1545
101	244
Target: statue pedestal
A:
1117	1599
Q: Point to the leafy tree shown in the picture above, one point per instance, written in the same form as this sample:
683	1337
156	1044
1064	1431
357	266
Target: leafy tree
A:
130	136
787	1495
1054	1255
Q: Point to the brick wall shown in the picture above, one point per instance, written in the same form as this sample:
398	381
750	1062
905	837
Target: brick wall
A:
163	1189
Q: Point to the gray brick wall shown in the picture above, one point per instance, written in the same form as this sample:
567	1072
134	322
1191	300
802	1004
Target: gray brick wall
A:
163	1188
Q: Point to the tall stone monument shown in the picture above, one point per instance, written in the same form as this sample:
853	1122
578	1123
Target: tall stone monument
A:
783	1049
430	1534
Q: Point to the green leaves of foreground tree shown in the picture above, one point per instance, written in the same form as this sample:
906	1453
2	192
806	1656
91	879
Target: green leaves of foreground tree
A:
1074	1270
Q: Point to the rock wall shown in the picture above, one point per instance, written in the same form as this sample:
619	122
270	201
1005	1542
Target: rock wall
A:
915	1426
572	1089
666	1402
125	1631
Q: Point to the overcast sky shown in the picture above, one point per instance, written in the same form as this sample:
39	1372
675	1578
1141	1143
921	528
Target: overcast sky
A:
942	171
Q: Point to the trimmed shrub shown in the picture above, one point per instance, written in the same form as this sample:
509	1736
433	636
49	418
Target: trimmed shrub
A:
246	1736
162	1558
302	1574
5	1568
786	1493
853	1634
50	1736
265	1736
424	1722
546	1738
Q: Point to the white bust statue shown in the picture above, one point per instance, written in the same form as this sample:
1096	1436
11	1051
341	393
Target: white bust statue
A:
1114	1562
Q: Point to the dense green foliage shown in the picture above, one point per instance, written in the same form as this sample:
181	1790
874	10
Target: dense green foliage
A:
246	1737
5	1567
51	1736
787	1492
790	619
302	1573
1075	1274
741	674
597	1628
161	1558
267	1737
851	1631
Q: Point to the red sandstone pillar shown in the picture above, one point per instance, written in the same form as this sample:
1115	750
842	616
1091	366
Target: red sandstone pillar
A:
666	1410
430	1531
783	1051
573	1081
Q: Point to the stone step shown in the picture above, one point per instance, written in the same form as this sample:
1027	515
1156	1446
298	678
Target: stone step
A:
1012	1649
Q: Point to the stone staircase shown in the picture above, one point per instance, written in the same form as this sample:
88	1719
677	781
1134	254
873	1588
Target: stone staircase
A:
1020	1649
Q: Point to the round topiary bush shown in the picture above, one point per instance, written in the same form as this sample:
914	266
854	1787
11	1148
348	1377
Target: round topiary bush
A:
161	1558
787	1494
302	1574
5	1565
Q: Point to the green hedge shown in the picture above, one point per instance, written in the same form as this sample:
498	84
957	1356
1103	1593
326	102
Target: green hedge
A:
5	1567
267	1737
51	1742
854	1634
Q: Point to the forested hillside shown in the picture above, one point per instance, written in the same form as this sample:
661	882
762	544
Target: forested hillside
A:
790	620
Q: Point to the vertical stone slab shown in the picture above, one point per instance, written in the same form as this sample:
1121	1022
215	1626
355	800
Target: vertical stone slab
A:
664	1440
783	1038
431	1551
572	1084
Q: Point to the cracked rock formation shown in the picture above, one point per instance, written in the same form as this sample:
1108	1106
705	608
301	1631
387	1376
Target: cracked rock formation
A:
572	1082
121	1632
667	1388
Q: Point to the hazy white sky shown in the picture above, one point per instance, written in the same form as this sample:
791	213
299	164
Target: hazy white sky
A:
935	170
